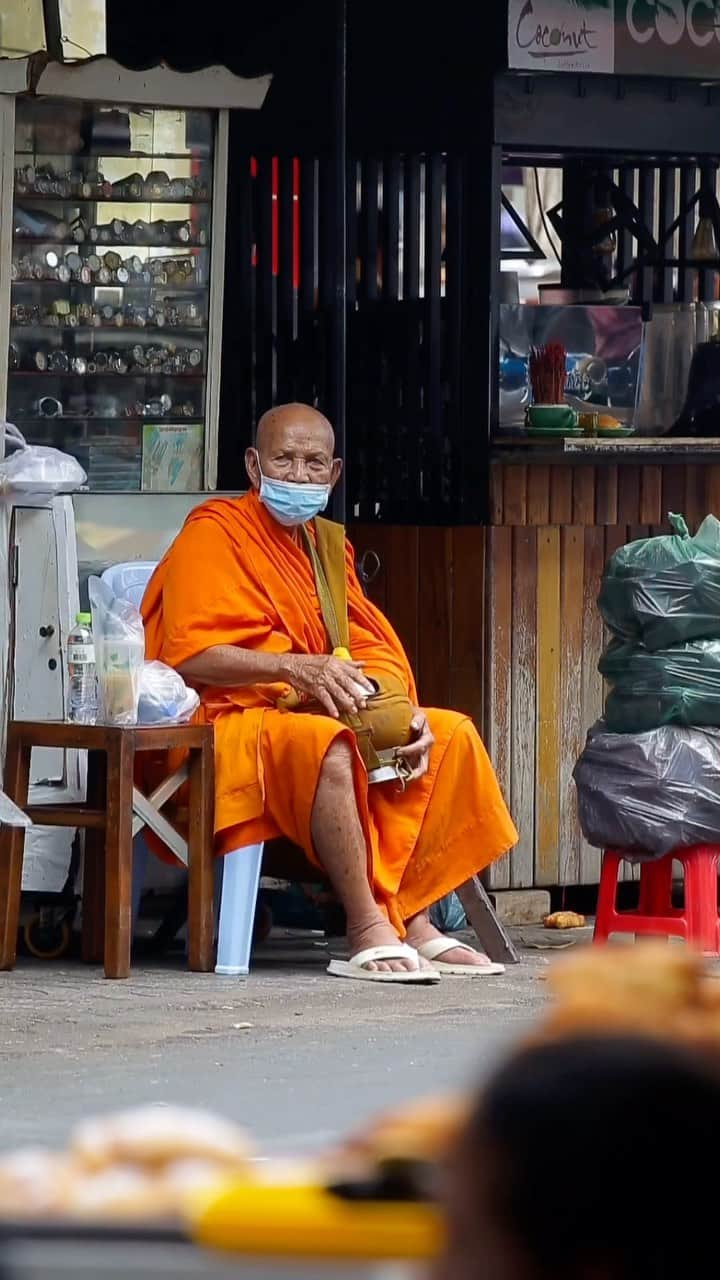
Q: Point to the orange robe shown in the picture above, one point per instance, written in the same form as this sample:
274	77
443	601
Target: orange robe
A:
234	576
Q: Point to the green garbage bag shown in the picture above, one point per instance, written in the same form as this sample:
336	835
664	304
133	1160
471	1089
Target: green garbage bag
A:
665	591
668	686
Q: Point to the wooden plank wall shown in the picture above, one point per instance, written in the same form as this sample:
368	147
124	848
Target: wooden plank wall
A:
502	623
554	528
431	586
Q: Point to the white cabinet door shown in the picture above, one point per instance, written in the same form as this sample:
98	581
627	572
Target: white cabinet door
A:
44	579
38	667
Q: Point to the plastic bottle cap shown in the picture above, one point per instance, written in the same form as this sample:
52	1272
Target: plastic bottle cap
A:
84	618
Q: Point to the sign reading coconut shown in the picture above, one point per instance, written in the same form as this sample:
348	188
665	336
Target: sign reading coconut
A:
561	35
628	37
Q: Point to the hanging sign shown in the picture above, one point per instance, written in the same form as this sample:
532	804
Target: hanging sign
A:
626	37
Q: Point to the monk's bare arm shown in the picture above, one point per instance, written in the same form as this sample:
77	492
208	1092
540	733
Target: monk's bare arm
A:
225	666
331	680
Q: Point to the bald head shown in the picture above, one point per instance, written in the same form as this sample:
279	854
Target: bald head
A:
294	442
293	418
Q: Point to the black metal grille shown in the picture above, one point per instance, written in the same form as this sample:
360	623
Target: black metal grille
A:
405	320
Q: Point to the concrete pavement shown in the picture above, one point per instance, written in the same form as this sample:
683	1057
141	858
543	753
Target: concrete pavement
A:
318	1054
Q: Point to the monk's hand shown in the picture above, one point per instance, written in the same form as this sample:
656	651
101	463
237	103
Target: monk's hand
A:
332	682
417	752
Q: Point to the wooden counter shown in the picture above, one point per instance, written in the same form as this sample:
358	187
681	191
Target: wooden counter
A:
554	523
501	622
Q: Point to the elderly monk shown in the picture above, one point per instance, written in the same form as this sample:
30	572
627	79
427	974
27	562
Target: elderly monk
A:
233	607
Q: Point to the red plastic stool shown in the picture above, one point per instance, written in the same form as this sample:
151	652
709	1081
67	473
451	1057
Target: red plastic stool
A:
698	921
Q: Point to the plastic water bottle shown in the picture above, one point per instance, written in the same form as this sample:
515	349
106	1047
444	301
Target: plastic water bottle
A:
81	668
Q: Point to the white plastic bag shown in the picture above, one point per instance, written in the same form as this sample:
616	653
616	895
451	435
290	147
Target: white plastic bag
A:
164	696
119	640
33	468
10	815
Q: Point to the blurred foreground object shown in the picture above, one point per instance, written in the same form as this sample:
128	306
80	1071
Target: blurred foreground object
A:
652	989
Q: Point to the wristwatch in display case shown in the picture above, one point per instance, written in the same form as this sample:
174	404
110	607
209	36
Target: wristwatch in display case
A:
110	279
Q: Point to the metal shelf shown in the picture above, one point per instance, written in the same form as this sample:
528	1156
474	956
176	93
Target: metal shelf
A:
107	154
78	284
45	373
167	331
171	419
181	245
55	199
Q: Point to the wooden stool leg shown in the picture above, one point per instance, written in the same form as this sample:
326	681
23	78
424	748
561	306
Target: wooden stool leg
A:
118	855
93	899
12	844
201	870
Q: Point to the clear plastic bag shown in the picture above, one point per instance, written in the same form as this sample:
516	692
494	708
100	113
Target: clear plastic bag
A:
10	815
668	686
31	468
164	696
665	591
119	640
649	793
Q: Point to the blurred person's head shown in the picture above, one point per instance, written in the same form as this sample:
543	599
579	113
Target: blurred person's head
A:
588	1159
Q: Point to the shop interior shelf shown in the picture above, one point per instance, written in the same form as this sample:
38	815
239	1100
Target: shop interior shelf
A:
120	419
143	288
106	373
109	154
55	199
94	245
86	330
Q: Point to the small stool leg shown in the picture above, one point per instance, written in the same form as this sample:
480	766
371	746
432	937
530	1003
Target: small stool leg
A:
118	855
201	870
12	844
701	896
607	895
93	896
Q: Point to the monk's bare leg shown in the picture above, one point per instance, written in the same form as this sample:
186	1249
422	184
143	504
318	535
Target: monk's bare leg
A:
339	843
420	930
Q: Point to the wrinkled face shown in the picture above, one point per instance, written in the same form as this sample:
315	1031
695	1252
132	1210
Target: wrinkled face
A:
295	444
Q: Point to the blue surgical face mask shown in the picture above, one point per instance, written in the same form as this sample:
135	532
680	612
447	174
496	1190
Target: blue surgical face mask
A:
290	503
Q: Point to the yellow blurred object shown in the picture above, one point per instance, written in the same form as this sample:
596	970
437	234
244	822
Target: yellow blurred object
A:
607	423
342	653
309	1222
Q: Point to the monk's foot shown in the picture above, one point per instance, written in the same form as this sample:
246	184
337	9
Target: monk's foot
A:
420	931
376	932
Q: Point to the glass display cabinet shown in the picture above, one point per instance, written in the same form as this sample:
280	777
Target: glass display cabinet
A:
112	275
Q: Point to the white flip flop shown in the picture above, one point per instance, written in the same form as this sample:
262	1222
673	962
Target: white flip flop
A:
355	966
438	947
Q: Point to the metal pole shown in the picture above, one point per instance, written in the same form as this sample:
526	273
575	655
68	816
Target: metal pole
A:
339	318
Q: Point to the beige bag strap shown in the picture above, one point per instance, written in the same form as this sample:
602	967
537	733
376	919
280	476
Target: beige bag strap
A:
328	563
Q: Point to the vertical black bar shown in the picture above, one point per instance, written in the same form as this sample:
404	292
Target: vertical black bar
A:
666	200
391	228
286	292
338	394
352	230
708	276
237	387
411	230
626	250
481	299
307	302
453	327
369	229
646	208
686	275
308	233
265	287
433	477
